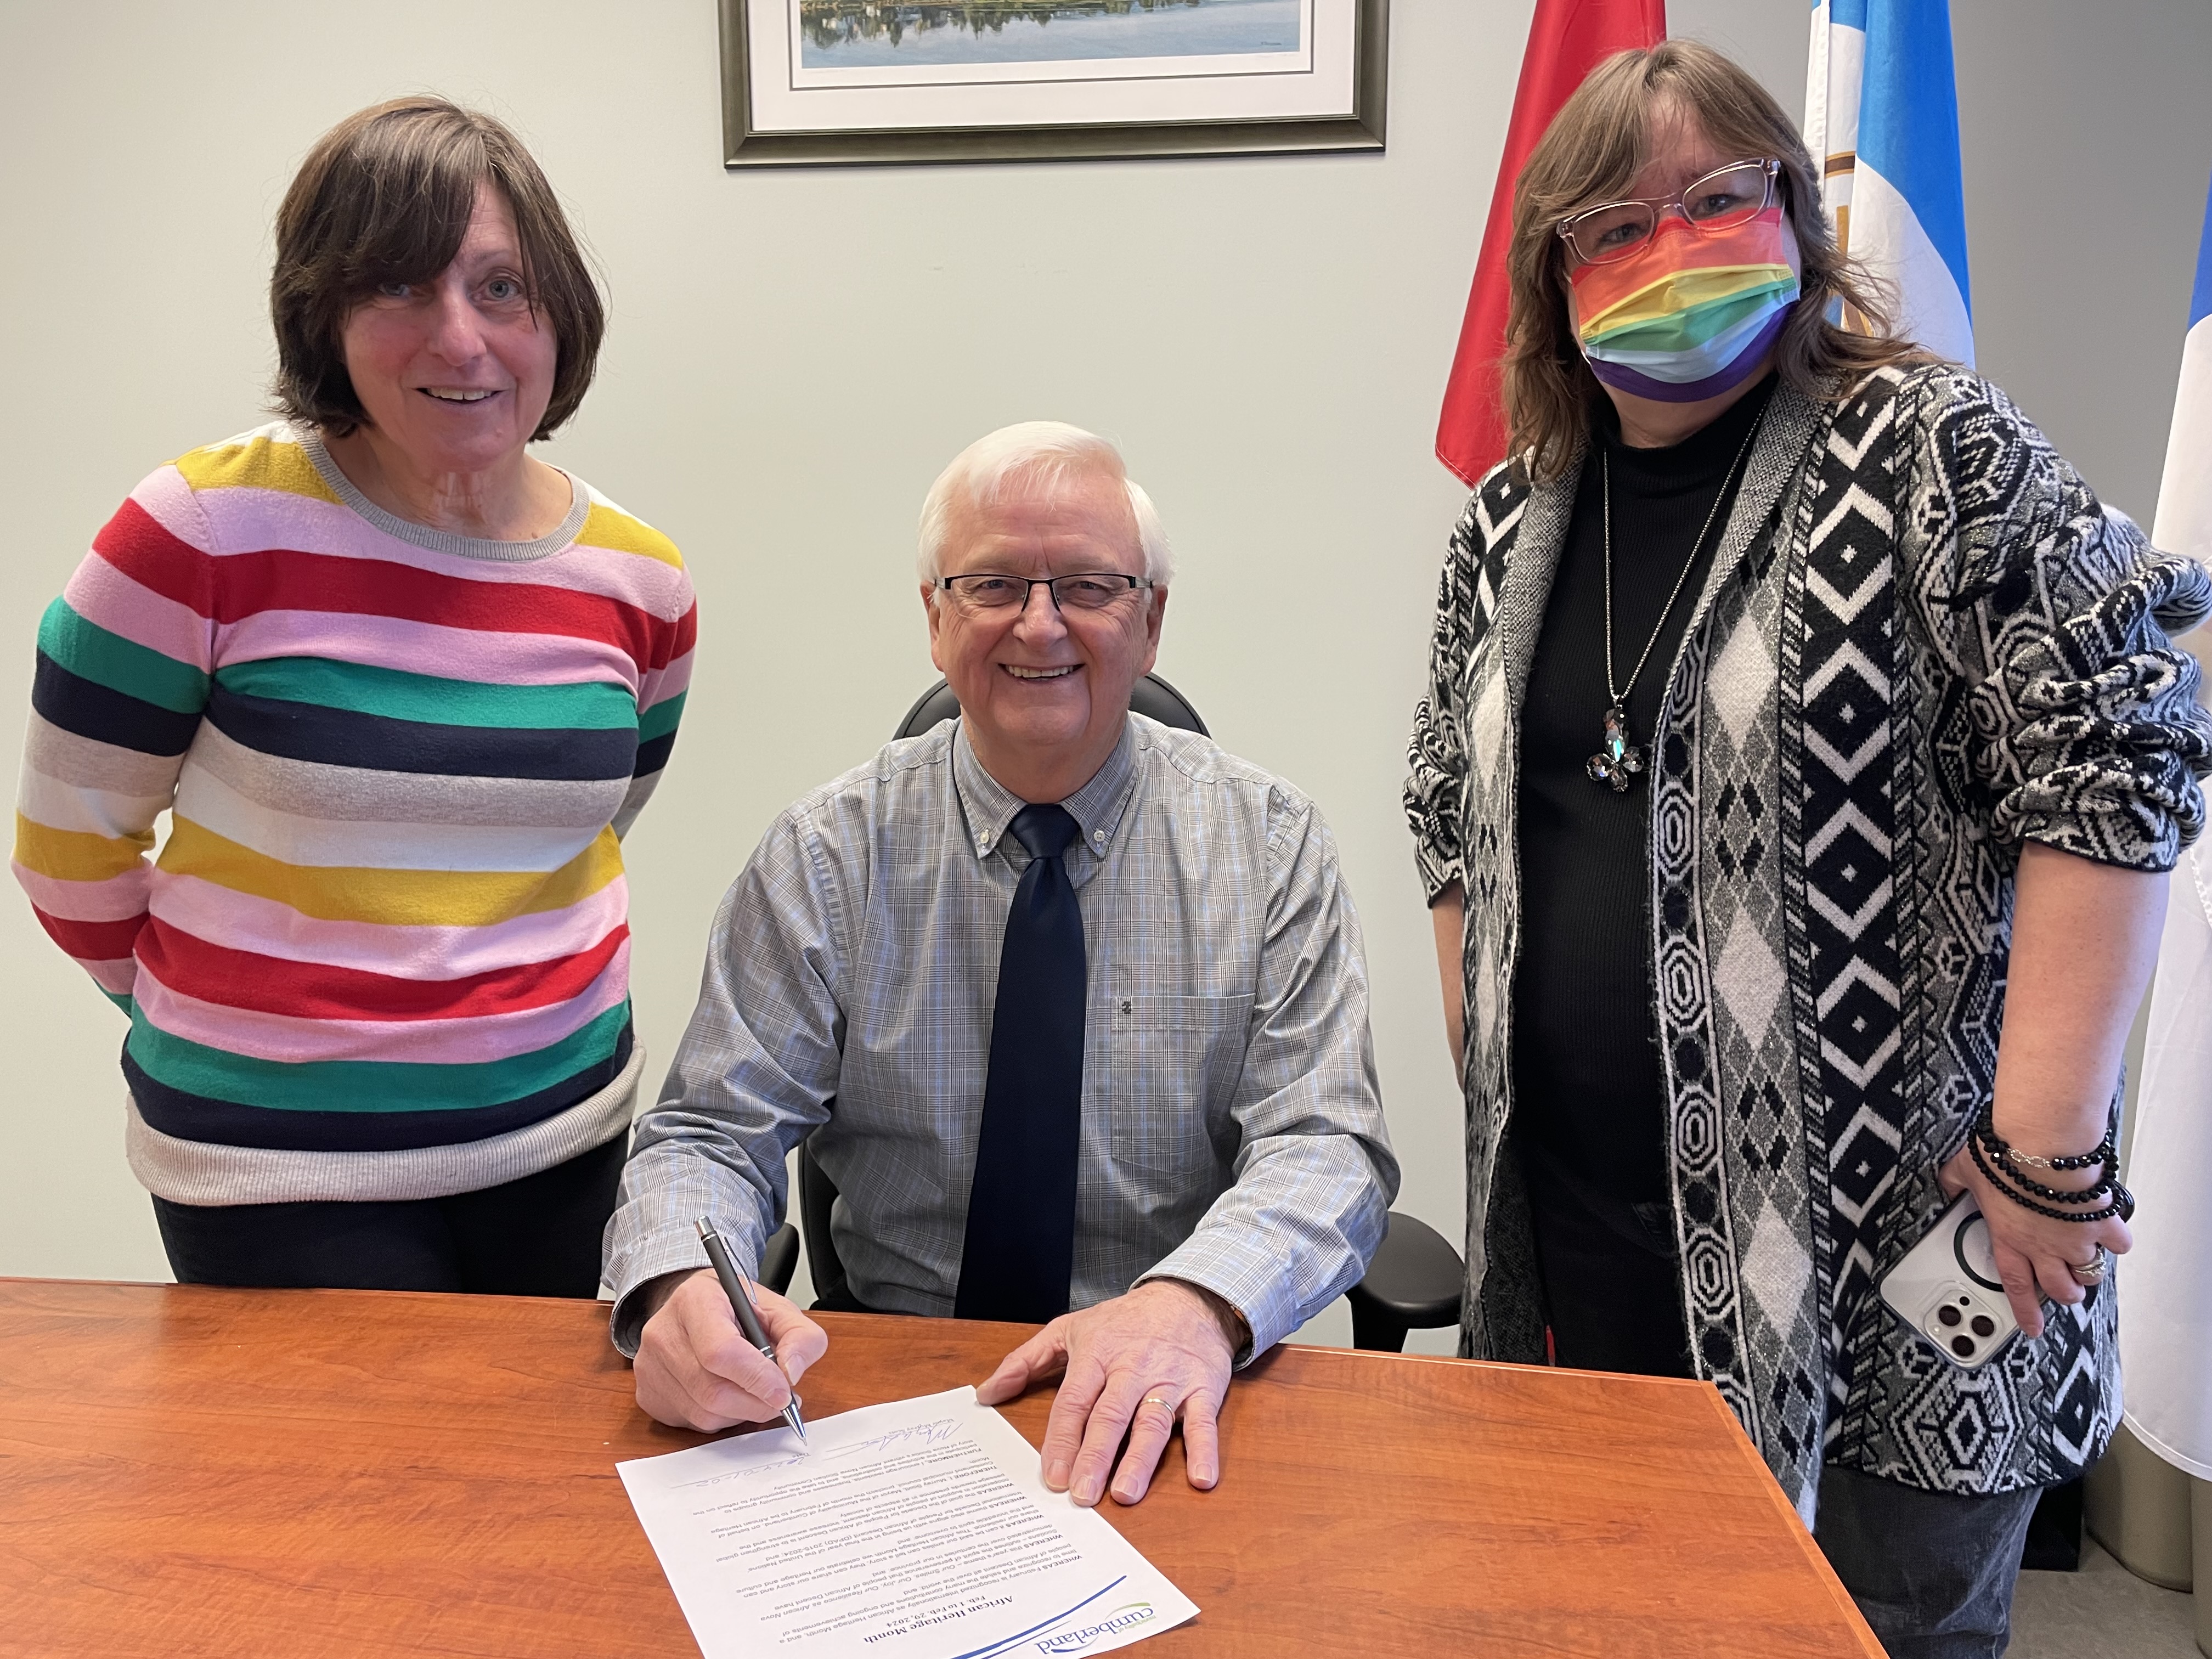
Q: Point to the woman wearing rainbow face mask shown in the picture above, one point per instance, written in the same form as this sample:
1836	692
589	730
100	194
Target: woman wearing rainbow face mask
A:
1803	754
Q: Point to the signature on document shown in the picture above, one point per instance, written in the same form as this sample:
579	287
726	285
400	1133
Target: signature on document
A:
908	1436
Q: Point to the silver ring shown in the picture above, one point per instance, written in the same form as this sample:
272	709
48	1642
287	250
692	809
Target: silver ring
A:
1155	1399
2092	1272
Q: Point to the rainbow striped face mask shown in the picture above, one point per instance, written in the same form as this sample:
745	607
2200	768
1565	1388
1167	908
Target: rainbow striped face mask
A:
1689	314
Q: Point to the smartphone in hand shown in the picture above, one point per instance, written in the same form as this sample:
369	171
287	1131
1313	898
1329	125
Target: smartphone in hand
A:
1946	1288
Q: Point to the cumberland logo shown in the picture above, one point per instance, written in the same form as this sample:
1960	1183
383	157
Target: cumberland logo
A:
1123	1618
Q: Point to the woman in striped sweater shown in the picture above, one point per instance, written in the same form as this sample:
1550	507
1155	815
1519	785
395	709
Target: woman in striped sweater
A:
402	687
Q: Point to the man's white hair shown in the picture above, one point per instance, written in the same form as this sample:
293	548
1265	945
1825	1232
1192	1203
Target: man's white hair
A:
1049	452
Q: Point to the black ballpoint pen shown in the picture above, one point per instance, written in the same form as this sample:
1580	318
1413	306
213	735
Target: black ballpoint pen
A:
741	1304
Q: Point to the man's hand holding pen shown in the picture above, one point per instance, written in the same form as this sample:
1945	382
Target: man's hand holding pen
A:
694	1368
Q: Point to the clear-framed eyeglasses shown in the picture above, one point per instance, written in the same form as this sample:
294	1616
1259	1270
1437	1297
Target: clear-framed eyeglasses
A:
1082	590
1720	200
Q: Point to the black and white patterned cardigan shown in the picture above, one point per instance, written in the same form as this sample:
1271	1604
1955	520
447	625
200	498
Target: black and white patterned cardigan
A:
1923	639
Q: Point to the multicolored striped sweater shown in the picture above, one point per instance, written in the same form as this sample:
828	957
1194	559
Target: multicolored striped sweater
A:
384	951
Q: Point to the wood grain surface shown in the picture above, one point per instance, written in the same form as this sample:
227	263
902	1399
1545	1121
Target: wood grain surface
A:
192	1472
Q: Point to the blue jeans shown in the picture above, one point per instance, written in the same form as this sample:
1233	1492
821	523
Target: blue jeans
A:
1933	1571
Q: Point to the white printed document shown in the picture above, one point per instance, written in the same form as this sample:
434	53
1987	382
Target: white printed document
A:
922	1529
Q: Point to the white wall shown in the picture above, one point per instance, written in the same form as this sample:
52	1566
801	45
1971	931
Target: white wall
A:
794	355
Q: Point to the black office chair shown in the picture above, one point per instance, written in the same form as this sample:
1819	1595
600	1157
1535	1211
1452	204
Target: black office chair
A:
1412	1285
1414	1282
779	1260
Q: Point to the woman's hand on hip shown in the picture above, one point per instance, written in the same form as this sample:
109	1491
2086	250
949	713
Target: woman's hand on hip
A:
2035	1253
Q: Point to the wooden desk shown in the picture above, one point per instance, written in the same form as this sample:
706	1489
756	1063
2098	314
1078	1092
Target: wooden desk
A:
188	1471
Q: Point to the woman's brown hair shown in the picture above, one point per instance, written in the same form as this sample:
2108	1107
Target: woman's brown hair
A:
1590	155
385	196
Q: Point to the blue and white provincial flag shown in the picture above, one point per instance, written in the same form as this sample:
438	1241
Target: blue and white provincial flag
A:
2184	524
1881	119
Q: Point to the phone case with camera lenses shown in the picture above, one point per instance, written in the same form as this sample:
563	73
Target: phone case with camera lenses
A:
1947	1289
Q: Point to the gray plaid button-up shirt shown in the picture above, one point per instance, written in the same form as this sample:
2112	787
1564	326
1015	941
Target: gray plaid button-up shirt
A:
1232	1133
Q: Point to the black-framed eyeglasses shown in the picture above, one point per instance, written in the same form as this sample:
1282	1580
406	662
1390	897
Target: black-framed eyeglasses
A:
1719	200
1082	590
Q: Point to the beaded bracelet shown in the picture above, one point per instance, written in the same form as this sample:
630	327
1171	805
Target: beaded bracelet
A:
2088	1194
2123	1203
1986	1127
1989	1146
2103	1152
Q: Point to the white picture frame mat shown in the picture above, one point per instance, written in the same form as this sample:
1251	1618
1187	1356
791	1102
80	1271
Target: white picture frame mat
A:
1314	83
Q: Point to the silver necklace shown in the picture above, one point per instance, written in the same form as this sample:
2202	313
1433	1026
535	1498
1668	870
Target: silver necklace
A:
1617	761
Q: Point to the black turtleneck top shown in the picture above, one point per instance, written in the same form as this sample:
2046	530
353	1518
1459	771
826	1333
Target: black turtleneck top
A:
1588	1089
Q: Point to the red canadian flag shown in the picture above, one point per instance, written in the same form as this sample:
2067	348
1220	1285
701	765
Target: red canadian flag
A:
1567	39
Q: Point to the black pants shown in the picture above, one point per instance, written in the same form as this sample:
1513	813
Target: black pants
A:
536	1236
1612	1298
1933	1571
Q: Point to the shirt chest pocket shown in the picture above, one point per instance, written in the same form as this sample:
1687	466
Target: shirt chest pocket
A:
1171	1066
1140	1014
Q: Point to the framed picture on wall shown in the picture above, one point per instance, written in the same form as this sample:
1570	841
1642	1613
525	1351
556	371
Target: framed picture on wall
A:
816	81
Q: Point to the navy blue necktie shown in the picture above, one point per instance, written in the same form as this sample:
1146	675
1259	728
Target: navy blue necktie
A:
1020	1245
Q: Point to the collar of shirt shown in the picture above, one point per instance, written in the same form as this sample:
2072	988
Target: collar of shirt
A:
990	806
